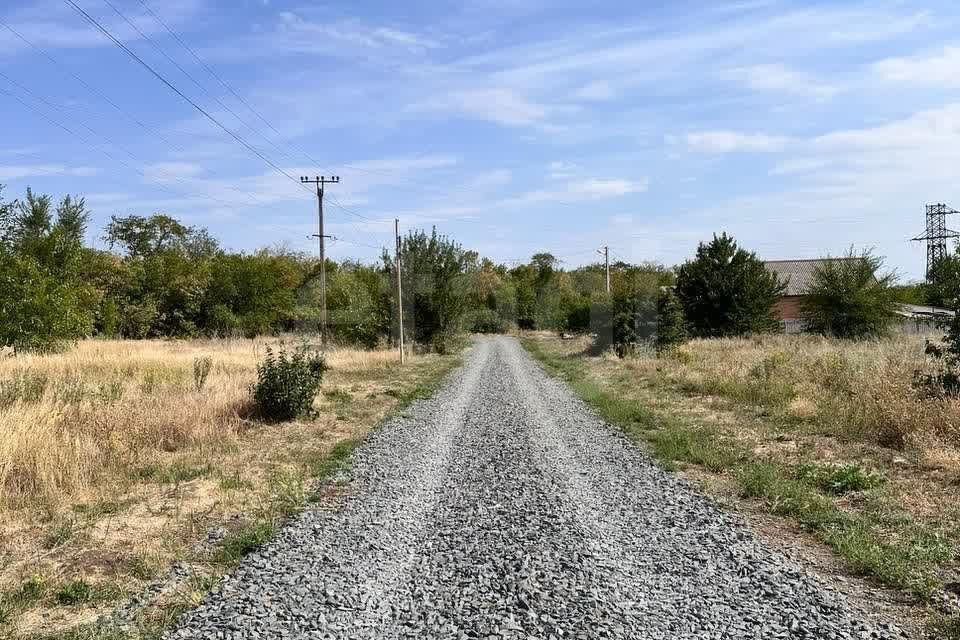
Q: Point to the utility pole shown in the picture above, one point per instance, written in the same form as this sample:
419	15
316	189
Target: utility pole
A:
396	231
321	181
606	260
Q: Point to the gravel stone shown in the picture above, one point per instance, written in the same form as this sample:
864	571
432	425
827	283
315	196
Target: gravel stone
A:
503	508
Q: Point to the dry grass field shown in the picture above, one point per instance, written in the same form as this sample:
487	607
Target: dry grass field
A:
117	459
830	436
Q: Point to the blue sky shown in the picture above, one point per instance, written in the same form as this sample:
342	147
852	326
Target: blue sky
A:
513	125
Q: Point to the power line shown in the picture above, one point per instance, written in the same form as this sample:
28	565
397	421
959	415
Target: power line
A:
182	95
209	69
358	244
193	79
74	134
106	140
64	70
252	110
213	73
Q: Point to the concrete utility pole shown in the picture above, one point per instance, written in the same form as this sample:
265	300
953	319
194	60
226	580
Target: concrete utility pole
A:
321	181
606	260
396	231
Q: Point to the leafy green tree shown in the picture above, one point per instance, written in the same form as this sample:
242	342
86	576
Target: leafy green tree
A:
628	317
850	298
727	291
6	218
434	285
39	311
254	294
524	278
942	288
45	302
671	325
358	301
141	236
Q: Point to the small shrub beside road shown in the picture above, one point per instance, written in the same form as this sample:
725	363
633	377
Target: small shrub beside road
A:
287	383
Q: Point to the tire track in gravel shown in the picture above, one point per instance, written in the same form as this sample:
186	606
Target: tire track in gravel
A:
503	508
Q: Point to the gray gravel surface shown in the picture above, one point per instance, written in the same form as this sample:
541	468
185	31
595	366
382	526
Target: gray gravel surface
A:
504	508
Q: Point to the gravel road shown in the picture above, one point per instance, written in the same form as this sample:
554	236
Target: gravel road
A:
504	508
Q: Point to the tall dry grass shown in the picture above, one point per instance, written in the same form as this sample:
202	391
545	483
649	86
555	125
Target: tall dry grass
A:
70	421
855	390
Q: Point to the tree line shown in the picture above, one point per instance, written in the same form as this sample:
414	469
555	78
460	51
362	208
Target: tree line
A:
161	278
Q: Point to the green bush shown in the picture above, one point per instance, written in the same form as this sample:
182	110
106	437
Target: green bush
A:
287	383
486	321
671	325
850	298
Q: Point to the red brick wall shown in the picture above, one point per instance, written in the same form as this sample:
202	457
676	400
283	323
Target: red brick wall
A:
788	307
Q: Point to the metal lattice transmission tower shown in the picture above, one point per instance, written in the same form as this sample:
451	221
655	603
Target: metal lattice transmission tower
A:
937	234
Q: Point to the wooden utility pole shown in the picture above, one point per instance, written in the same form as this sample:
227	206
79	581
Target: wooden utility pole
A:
396	231
321	181
606	262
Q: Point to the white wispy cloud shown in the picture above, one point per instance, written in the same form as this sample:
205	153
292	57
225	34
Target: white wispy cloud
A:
779	78
734	142
939	68
582	190
500	105
598	91
18	172
799	166
296	33
930	129
57	26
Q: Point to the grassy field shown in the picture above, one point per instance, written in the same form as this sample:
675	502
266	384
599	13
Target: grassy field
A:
828	435
117	458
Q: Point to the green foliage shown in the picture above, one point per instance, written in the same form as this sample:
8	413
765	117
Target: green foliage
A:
850	298
235	546
44	302
839	480
39	310
942	288
671	325
946	627
287	383
358	303
435	285
627	319
727	291
75	593
485	321
108	319
140	236
945	379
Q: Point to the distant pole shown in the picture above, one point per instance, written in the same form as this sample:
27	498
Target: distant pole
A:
320	181
396	230
606	262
